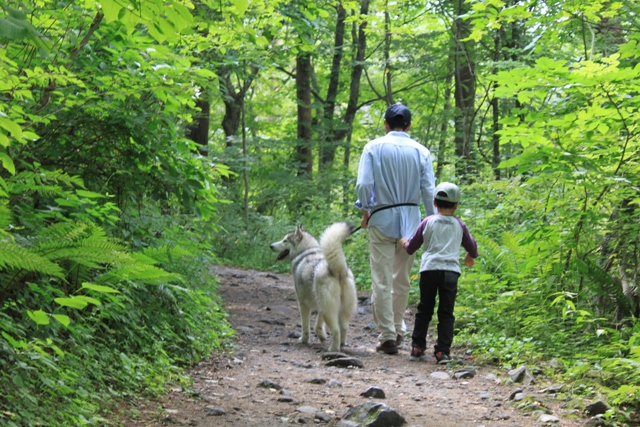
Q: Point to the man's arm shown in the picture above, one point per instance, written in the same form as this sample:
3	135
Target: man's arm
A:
427	183
364	182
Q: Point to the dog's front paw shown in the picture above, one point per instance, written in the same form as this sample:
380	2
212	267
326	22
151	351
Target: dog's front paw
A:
304	339
334	348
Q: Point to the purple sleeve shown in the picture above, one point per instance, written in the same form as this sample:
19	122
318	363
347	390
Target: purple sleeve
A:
468	242
416	240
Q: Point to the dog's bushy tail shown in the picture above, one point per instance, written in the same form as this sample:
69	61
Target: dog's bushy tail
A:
331	244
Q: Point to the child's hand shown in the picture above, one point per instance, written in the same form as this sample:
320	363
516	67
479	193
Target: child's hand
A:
468	261
403	241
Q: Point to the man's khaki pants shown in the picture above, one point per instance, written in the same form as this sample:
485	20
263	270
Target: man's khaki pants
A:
390	269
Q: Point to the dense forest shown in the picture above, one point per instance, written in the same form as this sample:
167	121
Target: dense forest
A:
143	140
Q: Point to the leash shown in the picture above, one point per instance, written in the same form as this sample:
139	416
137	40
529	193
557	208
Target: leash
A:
381	209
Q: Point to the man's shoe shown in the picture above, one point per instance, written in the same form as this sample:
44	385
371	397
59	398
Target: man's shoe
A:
416	354
442	358
388	347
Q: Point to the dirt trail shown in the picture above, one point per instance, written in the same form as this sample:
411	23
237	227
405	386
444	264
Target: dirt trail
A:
263	311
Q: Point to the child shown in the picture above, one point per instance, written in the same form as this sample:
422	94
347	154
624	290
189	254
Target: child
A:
441	235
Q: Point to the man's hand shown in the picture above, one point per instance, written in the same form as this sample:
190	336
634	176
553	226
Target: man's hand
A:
468	261
364	222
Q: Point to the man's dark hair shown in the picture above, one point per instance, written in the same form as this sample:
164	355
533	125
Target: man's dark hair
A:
444	204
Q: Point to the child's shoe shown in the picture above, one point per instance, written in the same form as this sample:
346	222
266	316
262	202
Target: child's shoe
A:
416	354
442	358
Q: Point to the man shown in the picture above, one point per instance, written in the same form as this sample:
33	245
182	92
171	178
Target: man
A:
394	174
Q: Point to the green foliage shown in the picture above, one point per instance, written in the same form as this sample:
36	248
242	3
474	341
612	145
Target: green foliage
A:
132	315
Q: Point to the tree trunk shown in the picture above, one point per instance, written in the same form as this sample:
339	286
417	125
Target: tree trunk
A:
495	106
327	149
359	38
442	144
233	98
356	74
304	154
465	91
233	101
199	131
387	47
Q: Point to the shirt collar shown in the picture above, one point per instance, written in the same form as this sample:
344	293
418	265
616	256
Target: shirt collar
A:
396	133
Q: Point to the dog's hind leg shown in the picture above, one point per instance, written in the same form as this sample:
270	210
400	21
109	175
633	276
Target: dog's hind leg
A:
322	335
349	303
344	328
305	315
336	331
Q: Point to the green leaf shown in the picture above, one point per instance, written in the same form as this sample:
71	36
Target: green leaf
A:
241	6
111	9
88	300
65	320
40	317
89	194
14	343
11	126
100	288
4	141
73	302
7	163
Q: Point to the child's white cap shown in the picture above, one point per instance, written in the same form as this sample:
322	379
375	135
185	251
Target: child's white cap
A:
448	192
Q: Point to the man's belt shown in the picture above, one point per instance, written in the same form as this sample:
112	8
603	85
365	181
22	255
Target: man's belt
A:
389	207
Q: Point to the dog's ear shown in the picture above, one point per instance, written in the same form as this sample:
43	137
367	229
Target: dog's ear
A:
299	231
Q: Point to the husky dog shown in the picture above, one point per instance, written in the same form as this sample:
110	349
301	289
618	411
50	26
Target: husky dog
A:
322	280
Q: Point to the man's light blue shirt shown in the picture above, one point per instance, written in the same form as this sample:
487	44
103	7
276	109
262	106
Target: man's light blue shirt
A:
395	169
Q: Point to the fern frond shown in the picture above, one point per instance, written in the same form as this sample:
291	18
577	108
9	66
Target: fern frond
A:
16	257
5	216
45	190
63	231
166	253
42	177
139	273
144	259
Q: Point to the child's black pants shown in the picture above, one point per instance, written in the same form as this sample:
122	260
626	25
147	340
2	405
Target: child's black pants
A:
445	285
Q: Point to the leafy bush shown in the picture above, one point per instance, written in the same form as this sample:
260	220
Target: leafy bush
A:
83	319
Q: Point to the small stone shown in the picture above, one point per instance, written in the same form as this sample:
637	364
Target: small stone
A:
374	392
323	417
544	418
491	377
270	384
333	383
214	411
554	389
346	362
316	381
521	375
596	408
514	392
307	410
330	355
440	375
